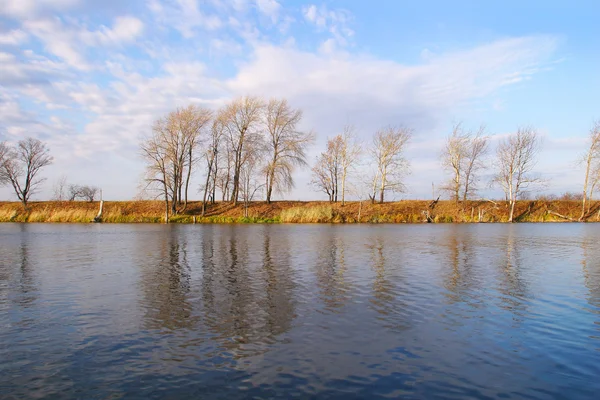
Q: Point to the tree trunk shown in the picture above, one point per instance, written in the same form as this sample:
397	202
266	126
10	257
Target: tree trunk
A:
187	179
270	184
174	202
383	179
166	205
512	210
344	188
206	187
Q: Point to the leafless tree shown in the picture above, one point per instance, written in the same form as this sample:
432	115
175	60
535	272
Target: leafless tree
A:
211	156
223	171
463	156
453	159
59	190
4	152
516	158
185	126
242	122
349	157
74	191
326	172
171	151
158	164
286	146
388	154
21	166
477	149
250	182
89	193
592	168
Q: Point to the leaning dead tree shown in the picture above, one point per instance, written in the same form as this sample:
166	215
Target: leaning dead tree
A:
515	160
21	165
285	146
388	154
592	169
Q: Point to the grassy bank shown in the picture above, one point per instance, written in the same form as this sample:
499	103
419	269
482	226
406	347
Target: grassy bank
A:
407	211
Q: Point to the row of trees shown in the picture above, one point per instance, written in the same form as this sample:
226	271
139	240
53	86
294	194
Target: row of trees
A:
464	157
62	190
345	153
249	145
252	146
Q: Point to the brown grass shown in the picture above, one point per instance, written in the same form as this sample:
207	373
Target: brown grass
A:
407	211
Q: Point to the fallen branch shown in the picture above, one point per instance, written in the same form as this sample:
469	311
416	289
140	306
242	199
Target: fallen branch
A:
560	215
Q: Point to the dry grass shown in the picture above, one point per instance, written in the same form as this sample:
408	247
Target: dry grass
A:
307	214
407	211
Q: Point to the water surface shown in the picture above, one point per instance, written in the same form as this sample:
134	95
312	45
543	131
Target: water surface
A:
282	311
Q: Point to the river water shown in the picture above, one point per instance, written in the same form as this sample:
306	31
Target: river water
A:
307	311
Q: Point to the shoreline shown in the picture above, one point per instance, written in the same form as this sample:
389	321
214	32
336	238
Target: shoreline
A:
259	212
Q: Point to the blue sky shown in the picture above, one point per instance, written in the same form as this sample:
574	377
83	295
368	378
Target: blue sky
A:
89	77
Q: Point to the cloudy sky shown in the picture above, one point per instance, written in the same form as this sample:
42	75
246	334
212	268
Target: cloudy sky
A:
89	77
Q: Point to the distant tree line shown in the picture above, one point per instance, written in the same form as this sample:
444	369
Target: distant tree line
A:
252	147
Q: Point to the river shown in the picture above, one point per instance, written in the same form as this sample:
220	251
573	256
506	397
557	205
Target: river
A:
308	311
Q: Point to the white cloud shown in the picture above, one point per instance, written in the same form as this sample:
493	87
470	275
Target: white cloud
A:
225	47
125	30
28	8
270	8
336	22
58	40
14	37
184	16
373	90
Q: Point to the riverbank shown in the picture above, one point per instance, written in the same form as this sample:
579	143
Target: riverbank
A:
406	211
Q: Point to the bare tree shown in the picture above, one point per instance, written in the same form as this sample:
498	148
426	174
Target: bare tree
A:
89	193
157	157
211	156
592	168
516	158
388	154
349	157
59	190
327	170
463	156
453	159
184	127
74	191
223	171
4	152
250	183
477	149
21	166
242	123
171	151
285	144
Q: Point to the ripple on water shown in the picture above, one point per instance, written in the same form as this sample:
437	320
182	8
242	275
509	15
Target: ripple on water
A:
454	311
